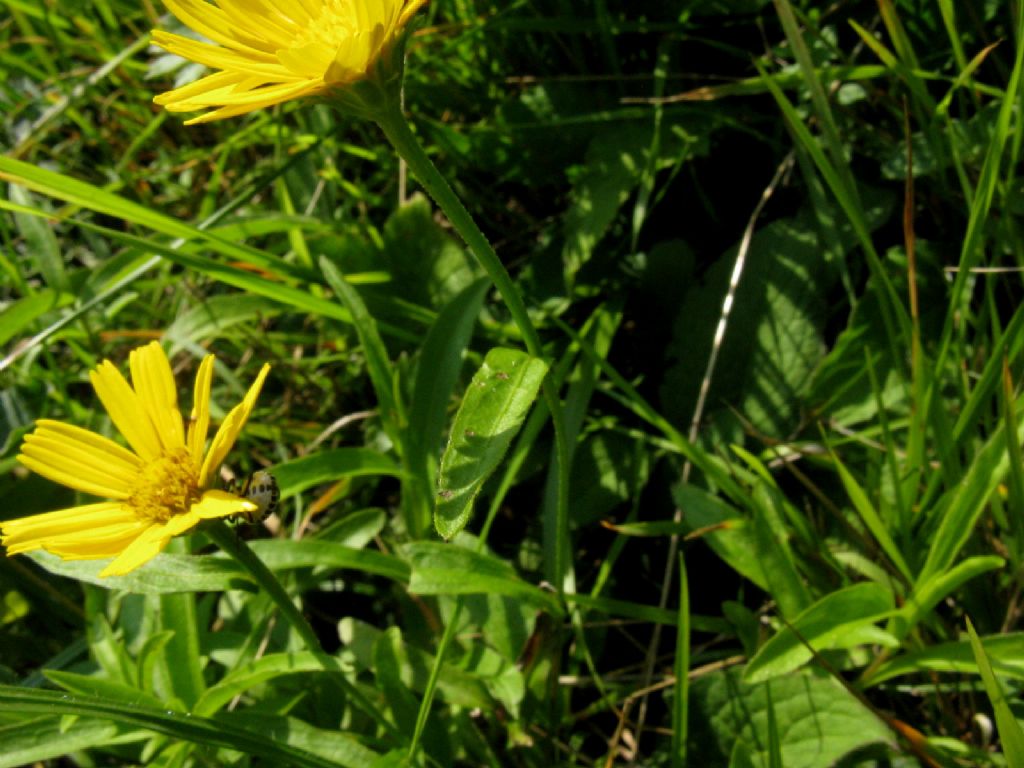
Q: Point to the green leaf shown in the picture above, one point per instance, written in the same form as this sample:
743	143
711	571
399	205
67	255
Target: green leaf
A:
437	372
1010	733
92	685
214	315
169	574
491	413
965	504
178	669
430	268
774	341
757	549
42	247
448	569
93	198
18	315
616	162
378	364
286	554
184	726
339	748
928	593
164	574
1005	653
32	741
832	622
681	667
263	670
388	660
456	685
819	721
297	475
871	518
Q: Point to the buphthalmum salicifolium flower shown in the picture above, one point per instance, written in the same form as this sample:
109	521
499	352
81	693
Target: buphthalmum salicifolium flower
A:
271	51
158	489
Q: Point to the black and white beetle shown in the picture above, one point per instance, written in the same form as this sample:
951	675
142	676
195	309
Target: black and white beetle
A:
261	489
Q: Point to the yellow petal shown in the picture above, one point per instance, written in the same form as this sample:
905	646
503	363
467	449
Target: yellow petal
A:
217	57
199	420
126	411
153	381
148	544
410	8
267	52
124	459
33	531
80	459
107	541
350	60
230	428
216	503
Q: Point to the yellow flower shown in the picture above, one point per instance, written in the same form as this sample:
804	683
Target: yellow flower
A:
158	489
271	51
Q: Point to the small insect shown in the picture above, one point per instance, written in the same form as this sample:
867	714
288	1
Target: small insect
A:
261	489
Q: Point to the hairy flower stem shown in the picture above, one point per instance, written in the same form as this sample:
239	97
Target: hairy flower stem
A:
393	123
228	541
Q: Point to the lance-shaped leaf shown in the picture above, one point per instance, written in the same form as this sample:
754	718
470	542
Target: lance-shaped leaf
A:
491	413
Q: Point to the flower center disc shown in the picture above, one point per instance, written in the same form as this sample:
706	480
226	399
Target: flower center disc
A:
165	487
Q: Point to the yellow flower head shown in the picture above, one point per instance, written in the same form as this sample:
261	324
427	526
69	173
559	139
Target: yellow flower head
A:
272	51
158	489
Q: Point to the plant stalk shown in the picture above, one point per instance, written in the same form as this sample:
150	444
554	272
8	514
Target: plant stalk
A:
393	123
226	539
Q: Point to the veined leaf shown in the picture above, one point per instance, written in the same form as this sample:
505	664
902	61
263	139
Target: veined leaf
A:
491	413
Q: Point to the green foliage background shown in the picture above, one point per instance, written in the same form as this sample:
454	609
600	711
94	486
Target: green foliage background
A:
785	582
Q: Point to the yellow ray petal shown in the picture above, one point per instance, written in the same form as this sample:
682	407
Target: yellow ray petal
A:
229	429
126	410
124	460
154	383
349	62
70	464
63	522
218	57
271	51
411	6
216	503
148	545
211	22
93	544
199	420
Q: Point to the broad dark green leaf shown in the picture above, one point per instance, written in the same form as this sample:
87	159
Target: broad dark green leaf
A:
819	721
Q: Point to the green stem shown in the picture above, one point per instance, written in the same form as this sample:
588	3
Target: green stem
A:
228	541
393	123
